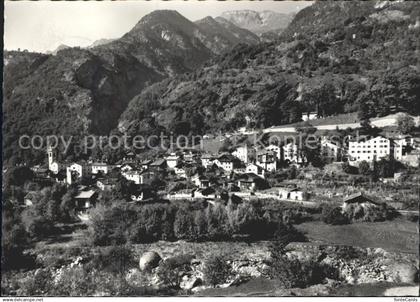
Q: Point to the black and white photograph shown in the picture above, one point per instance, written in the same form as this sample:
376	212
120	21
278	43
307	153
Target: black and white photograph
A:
210	149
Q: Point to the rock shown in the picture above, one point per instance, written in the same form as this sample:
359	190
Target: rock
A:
403	272
190	283
149	260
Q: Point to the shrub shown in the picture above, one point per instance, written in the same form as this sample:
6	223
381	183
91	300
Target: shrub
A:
334	216
216	270
116	260
171	270
295	273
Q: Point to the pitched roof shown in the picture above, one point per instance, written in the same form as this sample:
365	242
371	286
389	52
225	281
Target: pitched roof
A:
359	197
85	194
100	164
158	162
226	157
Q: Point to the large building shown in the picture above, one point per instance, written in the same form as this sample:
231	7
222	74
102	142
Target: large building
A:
374	149
267	160
292	154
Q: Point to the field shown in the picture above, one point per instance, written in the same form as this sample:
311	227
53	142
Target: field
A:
397	236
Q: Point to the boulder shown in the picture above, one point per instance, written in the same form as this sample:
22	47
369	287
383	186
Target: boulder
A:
149	260
403	272
190	283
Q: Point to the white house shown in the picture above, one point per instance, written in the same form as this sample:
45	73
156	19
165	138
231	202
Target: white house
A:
275	149
180	170
127	167
172	160
267	160
227	162
330	149
74	172
309	116
291	194
244	153
253	168
138	177
99	167
206	160
291	153
374	148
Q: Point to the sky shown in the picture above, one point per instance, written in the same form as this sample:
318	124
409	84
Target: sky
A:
43	25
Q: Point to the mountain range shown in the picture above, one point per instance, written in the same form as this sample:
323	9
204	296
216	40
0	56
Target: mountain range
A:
77	91
334	57
259	22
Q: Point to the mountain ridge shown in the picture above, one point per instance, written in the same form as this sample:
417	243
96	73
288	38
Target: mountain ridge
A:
366	62
79	91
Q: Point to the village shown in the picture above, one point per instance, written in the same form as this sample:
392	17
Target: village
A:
243	172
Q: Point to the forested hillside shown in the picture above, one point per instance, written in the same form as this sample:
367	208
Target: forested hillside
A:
82	91
334	57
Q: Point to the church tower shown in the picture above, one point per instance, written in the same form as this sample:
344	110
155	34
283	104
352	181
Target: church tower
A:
50	153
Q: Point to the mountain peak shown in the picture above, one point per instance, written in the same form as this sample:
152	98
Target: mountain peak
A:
258	22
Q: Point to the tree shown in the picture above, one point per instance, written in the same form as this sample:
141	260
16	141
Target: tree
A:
405	123
364	168
183	224
333	215
216	270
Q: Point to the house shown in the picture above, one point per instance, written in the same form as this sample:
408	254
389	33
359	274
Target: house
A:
373	149
84	200
99	168
172	160
274	148
180	170
330	150
253	168
130	156
206	160
244	153
106	184
190	157
292	154
250	182
138	177
158	165
267	160
358	199
309	116
127	167
227	162
291	194
146	164
76	171
200	181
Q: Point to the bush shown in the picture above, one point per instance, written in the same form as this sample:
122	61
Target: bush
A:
216	270
295	273
116	260
334	216
171	270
